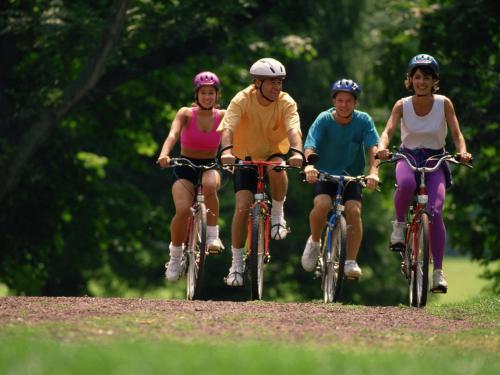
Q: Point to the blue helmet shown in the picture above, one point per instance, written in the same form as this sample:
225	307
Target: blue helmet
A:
424	60
346	85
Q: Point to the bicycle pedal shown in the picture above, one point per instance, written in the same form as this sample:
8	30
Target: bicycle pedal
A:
213	251
397	247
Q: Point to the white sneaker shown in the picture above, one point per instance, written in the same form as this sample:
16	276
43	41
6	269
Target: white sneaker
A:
352	270
439	282
279	229
310	255
398	232
173	268
214	245
235	276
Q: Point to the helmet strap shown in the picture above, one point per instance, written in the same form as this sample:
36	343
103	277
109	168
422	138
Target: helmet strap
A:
261	93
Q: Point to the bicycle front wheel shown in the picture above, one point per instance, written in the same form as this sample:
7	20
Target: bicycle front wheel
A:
197	244
419	272
333	259
257	253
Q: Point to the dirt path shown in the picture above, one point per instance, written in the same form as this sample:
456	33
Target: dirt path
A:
73	318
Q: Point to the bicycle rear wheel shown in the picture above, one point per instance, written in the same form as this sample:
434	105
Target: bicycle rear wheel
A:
419	278
196	253
256	257
334	256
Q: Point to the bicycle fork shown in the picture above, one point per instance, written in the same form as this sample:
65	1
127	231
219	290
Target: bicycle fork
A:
264	212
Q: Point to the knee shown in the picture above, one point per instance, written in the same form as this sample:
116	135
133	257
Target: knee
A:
407	185
242	208
353	212
322	207
183	212
210	190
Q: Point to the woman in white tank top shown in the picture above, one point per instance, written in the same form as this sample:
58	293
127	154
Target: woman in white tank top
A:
425	118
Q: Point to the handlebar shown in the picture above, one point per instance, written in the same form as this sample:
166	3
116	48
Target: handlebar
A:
174	162
395	156
324	176
277	165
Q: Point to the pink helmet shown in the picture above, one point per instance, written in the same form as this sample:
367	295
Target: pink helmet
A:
206	79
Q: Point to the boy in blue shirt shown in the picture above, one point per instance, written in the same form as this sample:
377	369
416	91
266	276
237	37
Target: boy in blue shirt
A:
340	136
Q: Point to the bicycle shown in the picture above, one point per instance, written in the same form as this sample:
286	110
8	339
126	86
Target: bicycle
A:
333	251
416	252
259	220
196	250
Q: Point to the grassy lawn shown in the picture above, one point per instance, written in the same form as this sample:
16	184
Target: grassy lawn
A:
55	348
24	356
463	276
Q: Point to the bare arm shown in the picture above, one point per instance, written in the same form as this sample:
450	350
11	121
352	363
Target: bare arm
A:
456	134
172	138
390	127
295	139
227	156
372	178
310	169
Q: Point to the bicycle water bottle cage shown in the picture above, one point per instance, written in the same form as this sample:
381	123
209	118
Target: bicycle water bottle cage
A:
259	196
422	198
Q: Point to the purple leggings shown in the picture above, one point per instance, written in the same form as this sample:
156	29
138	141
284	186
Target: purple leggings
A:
436	188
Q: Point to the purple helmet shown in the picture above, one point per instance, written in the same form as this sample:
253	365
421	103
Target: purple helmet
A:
206	79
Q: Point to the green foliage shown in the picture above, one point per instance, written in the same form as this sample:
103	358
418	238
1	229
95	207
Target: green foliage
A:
469	77
91	205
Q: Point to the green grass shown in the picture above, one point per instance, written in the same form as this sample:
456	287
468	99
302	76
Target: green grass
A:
137	346
463	276
25	356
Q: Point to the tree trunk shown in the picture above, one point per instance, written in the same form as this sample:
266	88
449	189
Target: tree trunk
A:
50	117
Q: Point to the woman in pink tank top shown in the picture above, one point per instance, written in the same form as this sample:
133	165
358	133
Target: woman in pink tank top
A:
424	118
196	127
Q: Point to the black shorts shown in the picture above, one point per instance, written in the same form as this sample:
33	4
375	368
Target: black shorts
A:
191	174
352	190
246	179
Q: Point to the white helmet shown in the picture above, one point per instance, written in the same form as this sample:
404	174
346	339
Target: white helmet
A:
268	68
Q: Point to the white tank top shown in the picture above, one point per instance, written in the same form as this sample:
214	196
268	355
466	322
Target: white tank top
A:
427	131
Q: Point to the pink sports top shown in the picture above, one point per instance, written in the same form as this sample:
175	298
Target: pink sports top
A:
195	139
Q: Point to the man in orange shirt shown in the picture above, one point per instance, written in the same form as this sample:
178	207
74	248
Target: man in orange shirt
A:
261	120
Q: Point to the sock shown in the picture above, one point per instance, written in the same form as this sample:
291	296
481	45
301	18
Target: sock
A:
213	231
237	256
277	207
175	251
316	243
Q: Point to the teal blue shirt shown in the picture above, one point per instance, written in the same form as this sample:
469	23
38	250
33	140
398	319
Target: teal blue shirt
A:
342	148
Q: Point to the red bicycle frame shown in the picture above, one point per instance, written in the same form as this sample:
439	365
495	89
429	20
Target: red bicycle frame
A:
260	200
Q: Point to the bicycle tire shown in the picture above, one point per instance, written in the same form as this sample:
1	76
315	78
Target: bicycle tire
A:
256	256
196	253
334	260
419	281
340	232
328	270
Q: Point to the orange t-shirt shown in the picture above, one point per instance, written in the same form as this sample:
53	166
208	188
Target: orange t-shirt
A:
260	131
